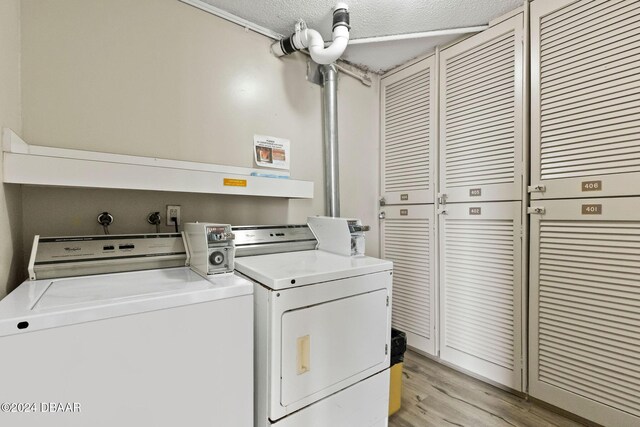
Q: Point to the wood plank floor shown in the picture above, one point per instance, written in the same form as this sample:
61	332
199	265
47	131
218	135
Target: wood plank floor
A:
435	395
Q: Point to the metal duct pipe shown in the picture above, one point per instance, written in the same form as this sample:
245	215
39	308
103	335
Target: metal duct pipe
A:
330	135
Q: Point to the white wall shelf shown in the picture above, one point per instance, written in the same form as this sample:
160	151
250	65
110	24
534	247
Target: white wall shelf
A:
38	165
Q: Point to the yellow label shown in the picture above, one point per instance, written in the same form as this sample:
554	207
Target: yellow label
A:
230	182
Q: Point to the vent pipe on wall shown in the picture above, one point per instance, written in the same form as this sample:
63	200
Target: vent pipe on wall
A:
311	39
330	136
325	56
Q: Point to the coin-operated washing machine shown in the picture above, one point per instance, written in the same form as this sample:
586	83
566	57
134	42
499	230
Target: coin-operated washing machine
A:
117	331
322	328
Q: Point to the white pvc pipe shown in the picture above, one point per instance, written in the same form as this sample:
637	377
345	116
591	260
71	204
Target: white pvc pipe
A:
327	55
426	34
306	38
261	30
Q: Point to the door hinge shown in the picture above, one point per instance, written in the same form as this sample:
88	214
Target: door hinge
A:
386	349
540	188
387	301
539	210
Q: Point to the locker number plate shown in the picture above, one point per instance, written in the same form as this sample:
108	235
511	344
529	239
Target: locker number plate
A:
475	211
475	192
404	212
591	185
404	197
591	209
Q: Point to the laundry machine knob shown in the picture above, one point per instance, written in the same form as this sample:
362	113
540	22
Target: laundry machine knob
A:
216	258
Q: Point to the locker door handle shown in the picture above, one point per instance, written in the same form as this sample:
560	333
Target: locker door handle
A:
382	215
540	188
536	210
442	211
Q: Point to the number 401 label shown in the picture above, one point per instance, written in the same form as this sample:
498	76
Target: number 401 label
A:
591	209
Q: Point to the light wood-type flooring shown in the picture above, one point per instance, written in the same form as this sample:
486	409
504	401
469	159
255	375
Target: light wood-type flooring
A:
435	395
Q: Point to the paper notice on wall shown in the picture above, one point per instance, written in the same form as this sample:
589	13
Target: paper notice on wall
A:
271	152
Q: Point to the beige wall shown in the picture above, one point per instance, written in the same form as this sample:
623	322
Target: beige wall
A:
160	78
11	269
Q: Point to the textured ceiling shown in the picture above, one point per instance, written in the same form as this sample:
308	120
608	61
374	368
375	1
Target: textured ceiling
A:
370	18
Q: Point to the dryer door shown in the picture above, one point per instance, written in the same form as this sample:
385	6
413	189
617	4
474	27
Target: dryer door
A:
327	343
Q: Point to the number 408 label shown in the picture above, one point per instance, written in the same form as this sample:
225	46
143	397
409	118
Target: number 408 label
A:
591	185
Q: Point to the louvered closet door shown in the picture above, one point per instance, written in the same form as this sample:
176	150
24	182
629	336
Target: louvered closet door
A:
481	290
481	120
407	239
585	308
585	94
408	134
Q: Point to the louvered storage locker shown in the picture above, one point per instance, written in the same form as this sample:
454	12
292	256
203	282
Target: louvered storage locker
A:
585	308
585	98
481	290
407	239
481	115
408	134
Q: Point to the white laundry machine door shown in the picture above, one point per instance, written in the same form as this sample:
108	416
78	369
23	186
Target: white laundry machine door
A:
326	343
326	337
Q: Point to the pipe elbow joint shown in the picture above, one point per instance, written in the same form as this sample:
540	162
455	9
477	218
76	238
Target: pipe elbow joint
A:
330	54
312	40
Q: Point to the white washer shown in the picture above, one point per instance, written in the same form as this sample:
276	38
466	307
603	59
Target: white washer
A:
159	347
322	330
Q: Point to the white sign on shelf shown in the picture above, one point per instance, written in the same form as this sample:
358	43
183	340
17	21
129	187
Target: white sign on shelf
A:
271	152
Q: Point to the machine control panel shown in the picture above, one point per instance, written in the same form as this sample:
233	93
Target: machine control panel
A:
66	256
211	247
268	239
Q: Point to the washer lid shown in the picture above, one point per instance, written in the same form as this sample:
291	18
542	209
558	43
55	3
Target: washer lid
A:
278	271
56	302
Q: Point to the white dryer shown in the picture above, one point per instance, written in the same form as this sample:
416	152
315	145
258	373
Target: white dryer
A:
147	347
322	330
